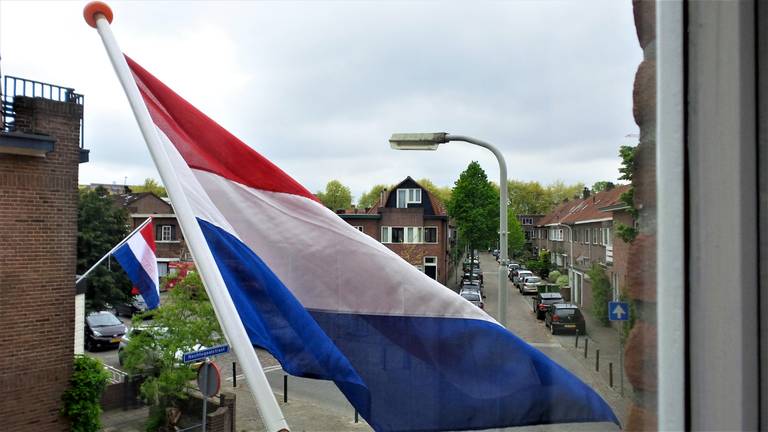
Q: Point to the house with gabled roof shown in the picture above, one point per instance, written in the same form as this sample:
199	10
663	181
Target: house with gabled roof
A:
580	233
413	223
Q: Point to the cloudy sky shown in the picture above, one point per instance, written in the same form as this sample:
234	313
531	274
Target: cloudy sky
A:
318	87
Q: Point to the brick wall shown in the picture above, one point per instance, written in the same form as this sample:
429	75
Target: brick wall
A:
640	351
38	242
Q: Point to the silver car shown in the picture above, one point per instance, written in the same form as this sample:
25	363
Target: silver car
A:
530	285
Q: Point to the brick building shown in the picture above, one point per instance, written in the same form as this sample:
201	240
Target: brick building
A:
40	149
581	232
528	223
168	238
413	223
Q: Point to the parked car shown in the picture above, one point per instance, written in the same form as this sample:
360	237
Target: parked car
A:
133	305
565	316
543	300
159	331
474	285
477	275
519	278
473	297
103	329
530	285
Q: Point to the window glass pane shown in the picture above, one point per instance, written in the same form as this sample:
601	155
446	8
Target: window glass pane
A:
397	235
401	198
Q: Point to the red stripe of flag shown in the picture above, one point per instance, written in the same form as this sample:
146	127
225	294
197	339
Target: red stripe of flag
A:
148	233
207	146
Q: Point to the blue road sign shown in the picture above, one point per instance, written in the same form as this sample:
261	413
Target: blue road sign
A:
618	311
203	353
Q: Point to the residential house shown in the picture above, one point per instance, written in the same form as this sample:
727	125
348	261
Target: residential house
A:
528	223
168	238
580	233
413	223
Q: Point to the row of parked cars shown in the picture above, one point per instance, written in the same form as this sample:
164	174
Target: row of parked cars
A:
548	304
472	283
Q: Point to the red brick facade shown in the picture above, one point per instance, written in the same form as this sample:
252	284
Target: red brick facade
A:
38	249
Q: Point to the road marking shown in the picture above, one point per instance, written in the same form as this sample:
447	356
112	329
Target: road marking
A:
266	370
544	345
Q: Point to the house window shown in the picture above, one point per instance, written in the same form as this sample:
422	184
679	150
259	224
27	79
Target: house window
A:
408	196
386	235
397	235
594	236
165	233
586	235
527	221
413	234
359	228
430	234
162	269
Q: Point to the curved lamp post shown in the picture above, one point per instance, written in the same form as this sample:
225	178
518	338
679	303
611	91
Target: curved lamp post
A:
430	141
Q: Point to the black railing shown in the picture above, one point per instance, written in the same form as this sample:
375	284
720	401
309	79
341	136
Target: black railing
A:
15	86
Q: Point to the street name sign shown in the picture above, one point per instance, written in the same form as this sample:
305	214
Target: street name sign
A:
204	353
618	311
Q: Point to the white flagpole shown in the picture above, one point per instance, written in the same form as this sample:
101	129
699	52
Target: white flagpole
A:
98	15
122	242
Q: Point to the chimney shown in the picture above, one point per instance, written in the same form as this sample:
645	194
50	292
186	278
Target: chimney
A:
585	193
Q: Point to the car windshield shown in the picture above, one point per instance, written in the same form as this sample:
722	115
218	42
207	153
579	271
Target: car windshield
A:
471	296
566	312
533	279
103	320
551	300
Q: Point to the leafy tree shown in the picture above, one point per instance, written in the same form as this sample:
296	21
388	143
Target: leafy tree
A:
151	185
82	400
602	186
533	198
101	225
540	266
336	196
474	205
370	198
516	235
443	193
627	153
559	191
185	319
601	292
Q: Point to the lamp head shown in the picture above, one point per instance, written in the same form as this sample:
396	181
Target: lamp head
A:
417	141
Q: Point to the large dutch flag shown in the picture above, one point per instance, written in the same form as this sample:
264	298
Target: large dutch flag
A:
330	302
138	258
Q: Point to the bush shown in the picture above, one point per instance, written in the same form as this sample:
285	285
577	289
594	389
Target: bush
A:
82	399
554	275
563	281
601	291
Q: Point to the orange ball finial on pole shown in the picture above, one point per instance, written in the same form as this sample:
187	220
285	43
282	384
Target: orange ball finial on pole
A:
96	7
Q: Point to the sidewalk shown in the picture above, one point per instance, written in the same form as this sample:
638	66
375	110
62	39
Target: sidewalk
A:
605	339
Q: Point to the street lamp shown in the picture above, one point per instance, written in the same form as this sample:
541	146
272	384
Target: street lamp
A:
430	141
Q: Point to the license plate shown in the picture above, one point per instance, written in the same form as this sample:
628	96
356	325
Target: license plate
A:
570	326
116	340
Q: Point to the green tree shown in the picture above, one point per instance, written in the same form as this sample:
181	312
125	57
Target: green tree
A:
602	186
371	198
627	153
527	197
601	292
474	205
558	192
515	236
336	196
443	193
100	226
184	319
151	185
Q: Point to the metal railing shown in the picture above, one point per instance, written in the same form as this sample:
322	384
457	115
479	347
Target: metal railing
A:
115	375
15	86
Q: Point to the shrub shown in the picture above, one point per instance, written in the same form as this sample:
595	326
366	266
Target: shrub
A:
601	291
554	275
562	280
82	398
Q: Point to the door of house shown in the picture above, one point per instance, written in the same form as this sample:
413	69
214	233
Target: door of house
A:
430	266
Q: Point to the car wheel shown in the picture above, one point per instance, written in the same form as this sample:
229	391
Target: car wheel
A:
552	329
88	344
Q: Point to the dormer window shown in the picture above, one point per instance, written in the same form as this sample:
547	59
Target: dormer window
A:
408	196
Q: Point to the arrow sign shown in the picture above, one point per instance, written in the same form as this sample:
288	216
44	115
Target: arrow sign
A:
618	311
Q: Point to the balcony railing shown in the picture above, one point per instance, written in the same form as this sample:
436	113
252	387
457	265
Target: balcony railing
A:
15	86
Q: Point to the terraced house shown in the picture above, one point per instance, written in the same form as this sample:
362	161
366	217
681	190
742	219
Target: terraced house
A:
413	223
581	233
